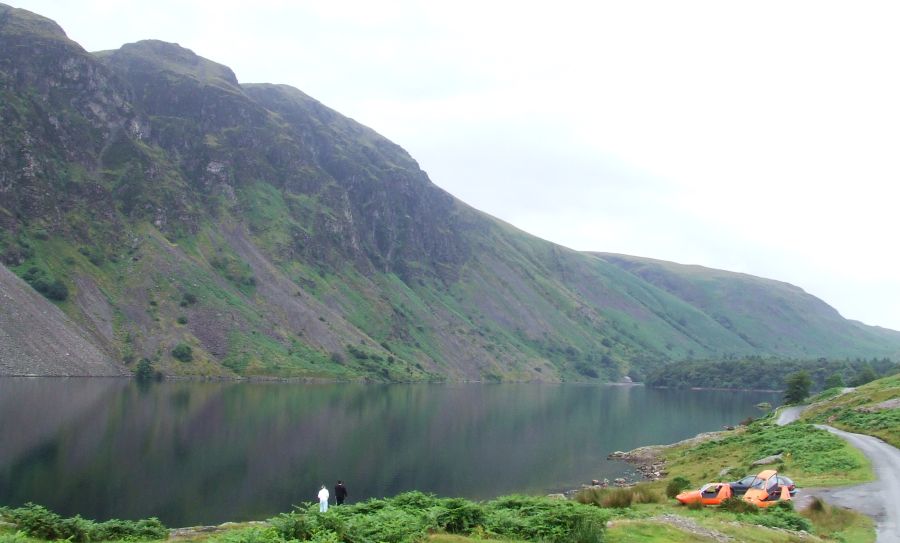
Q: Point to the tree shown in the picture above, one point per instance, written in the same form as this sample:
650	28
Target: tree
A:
183	352
144	370
865	375
797	387
835	381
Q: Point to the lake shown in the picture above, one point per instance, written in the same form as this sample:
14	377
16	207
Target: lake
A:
201	453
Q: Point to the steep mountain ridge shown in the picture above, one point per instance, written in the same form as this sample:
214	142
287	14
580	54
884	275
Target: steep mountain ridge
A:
275	236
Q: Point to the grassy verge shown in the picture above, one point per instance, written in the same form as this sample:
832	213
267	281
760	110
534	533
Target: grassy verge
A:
645	516
811	457
409	517
666	522
865	410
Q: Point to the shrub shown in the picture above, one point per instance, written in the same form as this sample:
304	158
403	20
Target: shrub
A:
617	497
816	504
585	369
249	535
695	506
787	505
459	516
541	519
144	529
36	521
144	370
676	486
18	537
41	523
737	505
776	517
295	525
829	521
52	289
644	494
357	353
187	299
183	352
409	517
182	319
415	500
57	290
389	525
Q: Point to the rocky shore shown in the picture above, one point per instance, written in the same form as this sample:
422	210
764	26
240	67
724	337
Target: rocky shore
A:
648	462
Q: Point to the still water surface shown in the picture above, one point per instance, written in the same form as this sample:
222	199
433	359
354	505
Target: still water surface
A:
198	453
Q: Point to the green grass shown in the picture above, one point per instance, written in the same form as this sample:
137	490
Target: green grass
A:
812	457
859	411
839	523
646	523
253	353
641	531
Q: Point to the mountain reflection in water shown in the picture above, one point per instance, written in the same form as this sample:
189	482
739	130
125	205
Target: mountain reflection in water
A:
198	452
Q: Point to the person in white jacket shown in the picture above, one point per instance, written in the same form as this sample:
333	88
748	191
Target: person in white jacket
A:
323	499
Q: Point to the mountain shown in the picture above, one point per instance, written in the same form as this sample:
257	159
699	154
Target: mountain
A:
161	204
771	315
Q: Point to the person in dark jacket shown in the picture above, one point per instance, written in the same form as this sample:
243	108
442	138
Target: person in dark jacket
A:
340	492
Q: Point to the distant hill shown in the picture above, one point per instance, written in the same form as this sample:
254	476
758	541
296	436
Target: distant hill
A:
174	206
770	315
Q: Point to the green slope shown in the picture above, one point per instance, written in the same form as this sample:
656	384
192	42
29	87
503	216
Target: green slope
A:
276	237
774	317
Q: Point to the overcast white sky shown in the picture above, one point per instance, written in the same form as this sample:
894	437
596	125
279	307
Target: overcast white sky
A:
759	137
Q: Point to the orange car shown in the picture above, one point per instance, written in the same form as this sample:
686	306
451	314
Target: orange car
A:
709	494
765	491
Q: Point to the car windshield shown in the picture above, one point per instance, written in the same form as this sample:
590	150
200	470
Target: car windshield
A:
786	481
758	483
747	480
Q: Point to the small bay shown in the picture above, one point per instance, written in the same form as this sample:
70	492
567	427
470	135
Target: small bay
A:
208	452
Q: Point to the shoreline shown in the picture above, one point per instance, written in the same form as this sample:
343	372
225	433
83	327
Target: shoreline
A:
366	381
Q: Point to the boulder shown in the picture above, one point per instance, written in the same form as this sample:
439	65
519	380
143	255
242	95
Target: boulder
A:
768	460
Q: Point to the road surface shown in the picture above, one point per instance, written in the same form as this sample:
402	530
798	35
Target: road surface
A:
790	414
881	499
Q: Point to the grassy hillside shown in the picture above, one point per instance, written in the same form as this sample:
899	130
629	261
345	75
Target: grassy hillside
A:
271	236
776	316
873	409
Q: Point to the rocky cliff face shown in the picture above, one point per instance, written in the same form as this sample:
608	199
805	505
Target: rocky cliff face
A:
163	203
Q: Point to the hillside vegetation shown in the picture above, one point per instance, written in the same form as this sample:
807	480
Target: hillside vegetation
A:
766	373
168	209
873	409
